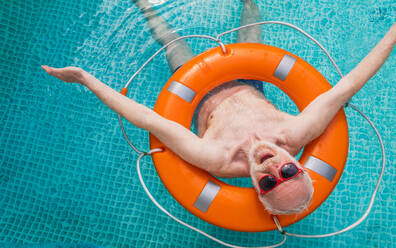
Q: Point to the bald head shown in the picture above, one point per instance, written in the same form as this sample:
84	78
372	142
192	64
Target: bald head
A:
289	197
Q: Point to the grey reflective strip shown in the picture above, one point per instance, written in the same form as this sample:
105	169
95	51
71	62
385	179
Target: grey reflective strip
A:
284	67
321	167
182	91
207	195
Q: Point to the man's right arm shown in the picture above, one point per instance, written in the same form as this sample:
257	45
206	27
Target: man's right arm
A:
202	153
205	154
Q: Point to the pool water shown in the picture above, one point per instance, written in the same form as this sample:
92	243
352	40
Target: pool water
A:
67	176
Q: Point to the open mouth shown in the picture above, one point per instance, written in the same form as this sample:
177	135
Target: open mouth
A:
261	153
264	157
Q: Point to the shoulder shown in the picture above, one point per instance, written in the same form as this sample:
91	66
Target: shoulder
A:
290	136
233	161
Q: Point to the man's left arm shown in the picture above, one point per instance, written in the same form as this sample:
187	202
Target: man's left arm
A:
315	118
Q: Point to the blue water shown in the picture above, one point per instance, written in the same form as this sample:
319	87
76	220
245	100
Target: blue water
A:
67	176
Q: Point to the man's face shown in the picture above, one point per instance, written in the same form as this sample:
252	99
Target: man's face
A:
287	197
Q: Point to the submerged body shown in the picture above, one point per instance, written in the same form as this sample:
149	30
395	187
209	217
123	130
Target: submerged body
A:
240	133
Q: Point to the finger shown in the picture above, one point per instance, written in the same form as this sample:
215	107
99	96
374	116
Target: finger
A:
47	68
51	70
56	72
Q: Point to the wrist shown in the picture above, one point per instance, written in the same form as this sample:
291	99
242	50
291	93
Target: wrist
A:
82	77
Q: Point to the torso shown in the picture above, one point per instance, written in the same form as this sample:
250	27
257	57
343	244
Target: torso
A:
239	116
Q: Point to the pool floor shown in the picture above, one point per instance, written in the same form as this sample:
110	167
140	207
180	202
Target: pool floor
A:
68	177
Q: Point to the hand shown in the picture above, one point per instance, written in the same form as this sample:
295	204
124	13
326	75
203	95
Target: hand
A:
68	74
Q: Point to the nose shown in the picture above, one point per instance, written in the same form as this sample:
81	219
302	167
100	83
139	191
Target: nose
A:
273	169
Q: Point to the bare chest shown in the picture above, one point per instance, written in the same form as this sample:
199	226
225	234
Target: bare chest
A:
242	118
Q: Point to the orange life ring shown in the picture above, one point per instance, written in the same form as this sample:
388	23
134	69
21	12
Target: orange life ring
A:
205	196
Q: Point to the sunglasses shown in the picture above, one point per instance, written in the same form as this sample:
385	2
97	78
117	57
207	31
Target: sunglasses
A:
286	172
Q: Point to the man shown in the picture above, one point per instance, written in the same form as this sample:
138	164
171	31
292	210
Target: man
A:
240	133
